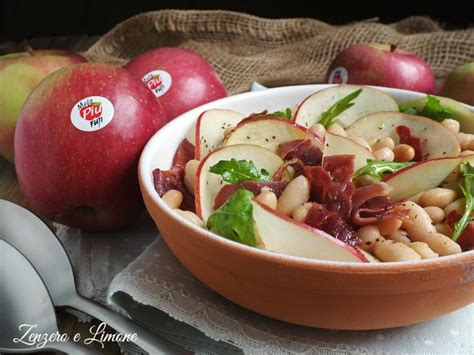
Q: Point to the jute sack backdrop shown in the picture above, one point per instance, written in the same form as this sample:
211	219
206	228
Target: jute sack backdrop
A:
244	48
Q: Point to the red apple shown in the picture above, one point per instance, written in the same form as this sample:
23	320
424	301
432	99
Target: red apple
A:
181	79
19	75
77	145
459	84
381	65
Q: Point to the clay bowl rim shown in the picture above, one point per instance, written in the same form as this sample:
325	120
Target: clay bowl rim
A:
146	183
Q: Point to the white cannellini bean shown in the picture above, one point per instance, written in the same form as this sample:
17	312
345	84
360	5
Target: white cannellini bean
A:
389	250
173	198
403	153
459	205
295	194
267	197
385	142
399	236
190	216
389	226
368	236
299	214
423	250
466	141
384	154
439	197
443	228
436	213
420	229
453	125
190	174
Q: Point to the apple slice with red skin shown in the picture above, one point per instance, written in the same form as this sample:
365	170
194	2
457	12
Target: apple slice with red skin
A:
438	141
209	184
369	101
420	177
280	234
210	129
461	113
268	132
337	145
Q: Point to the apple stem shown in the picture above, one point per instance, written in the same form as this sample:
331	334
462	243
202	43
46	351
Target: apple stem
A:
29	49
393	47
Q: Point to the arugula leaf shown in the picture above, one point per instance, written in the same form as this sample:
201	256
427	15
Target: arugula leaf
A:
235	171
234	219
377	168
432	109
327	118
468	191
287	114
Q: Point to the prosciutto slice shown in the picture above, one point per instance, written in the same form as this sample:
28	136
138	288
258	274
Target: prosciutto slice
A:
302	149
406	137
371	204
332	223
331	184
173	179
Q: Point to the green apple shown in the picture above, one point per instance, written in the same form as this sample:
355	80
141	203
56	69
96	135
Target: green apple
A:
459	84
19	75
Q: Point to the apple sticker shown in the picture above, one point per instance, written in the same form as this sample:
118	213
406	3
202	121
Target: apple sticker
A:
338	76
92	113
158	81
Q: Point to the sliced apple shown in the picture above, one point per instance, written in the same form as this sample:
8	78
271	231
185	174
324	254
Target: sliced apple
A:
209	184
269	133
452	180
282	235
337	145
420	177
461	113
438	141
369	101
211	127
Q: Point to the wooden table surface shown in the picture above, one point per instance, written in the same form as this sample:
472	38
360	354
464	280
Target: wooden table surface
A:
10	190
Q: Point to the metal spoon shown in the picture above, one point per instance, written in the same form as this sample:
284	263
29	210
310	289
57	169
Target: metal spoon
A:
39	244
25	307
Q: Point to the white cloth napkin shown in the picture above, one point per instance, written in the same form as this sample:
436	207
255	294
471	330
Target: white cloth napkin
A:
155	285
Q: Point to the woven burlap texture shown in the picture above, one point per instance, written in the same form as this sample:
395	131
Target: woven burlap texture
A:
244	48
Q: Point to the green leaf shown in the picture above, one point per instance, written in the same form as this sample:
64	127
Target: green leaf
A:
377	168
287	114
327	118
234	219
467	190
235	171
432	109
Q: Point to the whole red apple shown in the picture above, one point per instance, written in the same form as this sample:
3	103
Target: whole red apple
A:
381	65
181	79
19	75
77	145
459	84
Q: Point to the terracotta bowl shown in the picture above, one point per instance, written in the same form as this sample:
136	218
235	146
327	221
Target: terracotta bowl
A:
303	291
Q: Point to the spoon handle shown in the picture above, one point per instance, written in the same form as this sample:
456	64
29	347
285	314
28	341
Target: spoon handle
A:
73	348
151	343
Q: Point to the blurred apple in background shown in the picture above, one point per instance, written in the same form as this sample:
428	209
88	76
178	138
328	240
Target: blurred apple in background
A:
77	144
459	84
381	65
181	79
19	75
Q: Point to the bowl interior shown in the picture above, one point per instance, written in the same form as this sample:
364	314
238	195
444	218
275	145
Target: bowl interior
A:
161	148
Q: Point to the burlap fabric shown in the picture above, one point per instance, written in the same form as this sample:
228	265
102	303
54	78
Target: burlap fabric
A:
244	48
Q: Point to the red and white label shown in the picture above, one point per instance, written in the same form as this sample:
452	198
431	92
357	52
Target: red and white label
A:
339	75
92	113
158	81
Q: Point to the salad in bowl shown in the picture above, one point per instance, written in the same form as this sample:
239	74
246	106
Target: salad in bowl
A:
348	174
